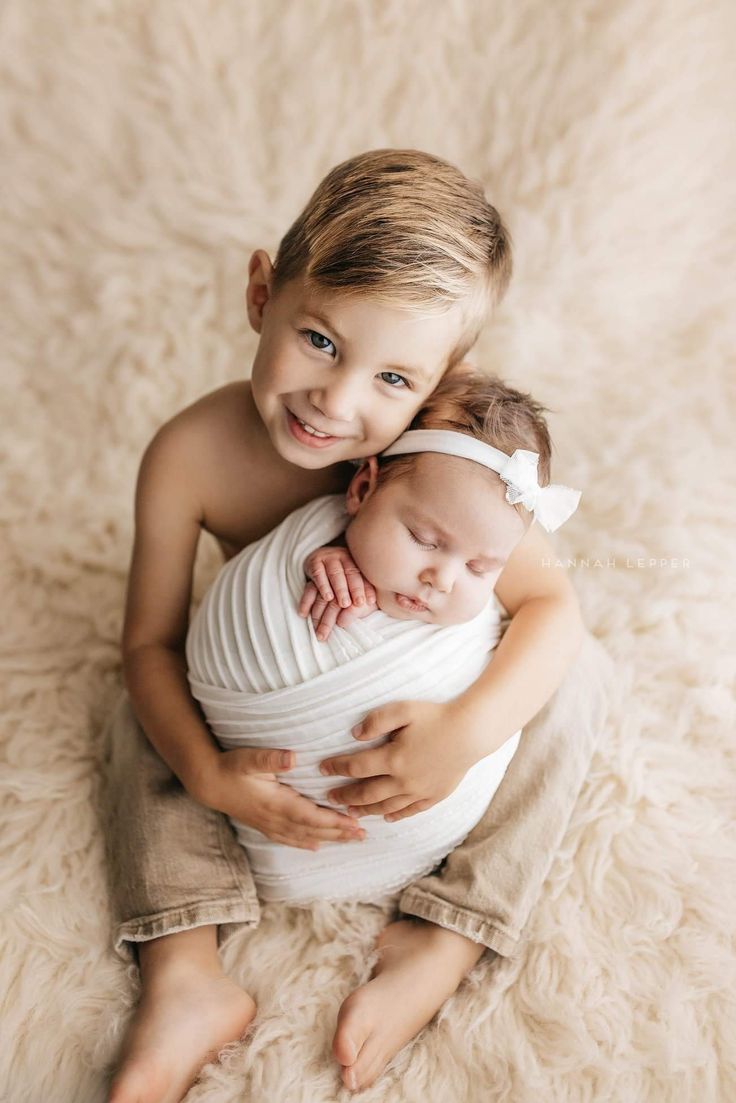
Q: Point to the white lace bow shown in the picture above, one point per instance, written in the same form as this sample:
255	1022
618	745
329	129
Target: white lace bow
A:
551	505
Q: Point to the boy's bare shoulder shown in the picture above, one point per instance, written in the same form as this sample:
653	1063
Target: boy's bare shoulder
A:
216	459
216	433
204	453
224	418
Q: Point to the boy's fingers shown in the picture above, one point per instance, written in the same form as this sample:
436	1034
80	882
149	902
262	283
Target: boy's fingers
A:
280	760
324	835
382	807
304	814
411	810
339	583
370	593
287	840
365	792
260	760
382	721
370	763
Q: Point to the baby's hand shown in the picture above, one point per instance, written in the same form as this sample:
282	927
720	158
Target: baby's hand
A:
277	811
336	592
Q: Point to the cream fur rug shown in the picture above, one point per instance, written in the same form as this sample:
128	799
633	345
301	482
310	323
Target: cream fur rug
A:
147	147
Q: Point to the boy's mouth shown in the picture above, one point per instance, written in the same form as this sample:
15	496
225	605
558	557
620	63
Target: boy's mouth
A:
308	434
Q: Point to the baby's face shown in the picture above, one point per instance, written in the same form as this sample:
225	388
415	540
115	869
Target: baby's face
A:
432	542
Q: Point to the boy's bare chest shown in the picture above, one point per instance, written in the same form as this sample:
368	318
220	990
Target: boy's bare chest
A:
248	512
244	495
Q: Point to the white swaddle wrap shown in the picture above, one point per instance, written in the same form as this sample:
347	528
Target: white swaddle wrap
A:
263	679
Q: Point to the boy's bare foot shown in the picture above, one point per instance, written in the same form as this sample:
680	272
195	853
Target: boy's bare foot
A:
188	1011
419	967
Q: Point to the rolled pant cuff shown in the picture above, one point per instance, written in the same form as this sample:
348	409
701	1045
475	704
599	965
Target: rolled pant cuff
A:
467	923
176	920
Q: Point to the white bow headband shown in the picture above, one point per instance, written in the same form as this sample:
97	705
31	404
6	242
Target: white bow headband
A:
551	505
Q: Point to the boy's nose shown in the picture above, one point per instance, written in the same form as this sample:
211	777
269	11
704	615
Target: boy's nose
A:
337	402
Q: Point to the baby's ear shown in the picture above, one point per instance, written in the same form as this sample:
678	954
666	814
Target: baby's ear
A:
362	485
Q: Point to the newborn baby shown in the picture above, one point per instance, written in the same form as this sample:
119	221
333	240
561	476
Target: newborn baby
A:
431	531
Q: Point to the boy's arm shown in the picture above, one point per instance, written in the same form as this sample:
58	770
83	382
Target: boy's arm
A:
241	783
540	643
167	527
527	667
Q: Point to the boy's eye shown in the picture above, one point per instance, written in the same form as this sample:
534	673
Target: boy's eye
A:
479	571
394	379
318	340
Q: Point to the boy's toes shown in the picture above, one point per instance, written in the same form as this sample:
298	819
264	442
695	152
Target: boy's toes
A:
357	1044
353	1028
368	1067
139	1082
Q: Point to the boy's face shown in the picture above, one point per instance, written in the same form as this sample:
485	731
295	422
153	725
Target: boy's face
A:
434	541
338	377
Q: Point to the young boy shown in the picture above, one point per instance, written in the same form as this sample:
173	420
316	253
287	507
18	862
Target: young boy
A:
380	286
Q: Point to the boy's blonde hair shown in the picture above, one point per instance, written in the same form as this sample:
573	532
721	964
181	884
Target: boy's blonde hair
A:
484	407
407	229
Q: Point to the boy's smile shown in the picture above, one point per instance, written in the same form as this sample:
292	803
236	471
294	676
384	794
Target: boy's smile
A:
338	376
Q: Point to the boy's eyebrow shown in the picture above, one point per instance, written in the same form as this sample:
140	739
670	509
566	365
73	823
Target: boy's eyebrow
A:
317	317
425	374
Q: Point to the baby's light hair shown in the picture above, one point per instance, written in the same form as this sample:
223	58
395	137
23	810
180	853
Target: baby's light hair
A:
484	407
406	228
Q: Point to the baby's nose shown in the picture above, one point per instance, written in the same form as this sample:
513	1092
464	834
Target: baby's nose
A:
441	579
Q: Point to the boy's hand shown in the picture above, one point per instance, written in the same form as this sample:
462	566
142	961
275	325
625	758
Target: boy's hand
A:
277	811
336	592
423	761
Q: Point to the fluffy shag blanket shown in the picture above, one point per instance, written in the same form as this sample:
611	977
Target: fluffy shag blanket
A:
147	148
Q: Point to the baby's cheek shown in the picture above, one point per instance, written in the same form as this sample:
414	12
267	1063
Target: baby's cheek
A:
473	603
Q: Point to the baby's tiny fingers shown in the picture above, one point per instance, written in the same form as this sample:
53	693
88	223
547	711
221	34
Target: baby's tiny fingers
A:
321	581
339	583
327	621
357	587
346	617
307	599
318	609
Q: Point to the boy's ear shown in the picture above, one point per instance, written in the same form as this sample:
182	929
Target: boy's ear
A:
260	281
362	485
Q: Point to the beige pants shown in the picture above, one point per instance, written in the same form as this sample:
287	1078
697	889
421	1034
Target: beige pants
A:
175	864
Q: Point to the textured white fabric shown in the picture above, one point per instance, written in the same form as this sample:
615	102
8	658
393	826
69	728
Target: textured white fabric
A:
263	679
551	505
